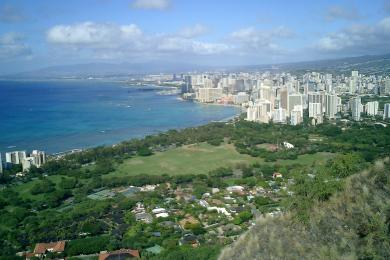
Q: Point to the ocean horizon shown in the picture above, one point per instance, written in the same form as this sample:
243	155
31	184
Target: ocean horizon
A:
61	115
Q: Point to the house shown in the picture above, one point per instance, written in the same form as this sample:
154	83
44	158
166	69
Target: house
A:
214	190
236	188
162	215
203	203
288	145
156	234
145	217
149	187
219	210
159	210
119	254
189	239
42	248
139	208
156	249
277	175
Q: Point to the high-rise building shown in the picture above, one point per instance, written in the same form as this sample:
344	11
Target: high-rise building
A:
372	108
187	87
208	95
294	100
28	162
279	115
353	82
386	111
296	115
15	157
240	98
331	103
315	110
266	92
39	157
259	111
283	97
36	158
356	108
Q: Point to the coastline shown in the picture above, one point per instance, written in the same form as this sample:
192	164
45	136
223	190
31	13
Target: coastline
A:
223	120
109	115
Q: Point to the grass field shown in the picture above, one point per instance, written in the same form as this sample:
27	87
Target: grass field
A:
24	189
198	159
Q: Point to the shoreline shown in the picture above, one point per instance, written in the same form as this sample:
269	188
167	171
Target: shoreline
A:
223	120
66	143
76	149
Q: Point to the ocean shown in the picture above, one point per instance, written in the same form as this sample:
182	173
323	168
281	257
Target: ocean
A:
57	116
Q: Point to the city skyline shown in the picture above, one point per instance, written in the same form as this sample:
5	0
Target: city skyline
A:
39	34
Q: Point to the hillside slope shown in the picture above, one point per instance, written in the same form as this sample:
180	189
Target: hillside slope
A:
353	224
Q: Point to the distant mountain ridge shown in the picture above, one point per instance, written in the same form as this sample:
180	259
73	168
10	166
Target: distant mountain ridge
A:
368	64
105	70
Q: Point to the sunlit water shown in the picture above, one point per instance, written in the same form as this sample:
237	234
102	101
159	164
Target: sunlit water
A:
60	115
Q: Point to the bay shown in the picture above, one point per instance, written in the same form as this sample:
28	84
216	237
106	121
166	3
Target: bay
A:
61	115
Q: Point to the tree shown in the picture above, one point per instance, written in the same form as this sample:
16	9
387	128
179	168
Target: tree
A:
242	217
44	186
346	164
68	183
144	151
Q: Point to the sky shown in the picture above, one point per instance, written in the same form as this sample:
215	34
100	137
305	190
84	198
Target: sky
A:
37	34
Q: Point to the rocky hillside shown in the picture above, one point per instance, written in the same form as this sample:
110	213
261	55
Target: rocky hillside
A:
353	224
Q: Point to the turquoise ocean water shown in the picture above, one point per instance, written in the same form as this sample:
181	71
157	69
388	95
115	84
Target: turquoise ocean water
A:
60	115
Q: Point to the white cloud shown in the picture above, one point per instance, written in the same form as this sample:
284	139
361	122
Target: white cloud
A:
337	12
184	45
89	33
252	39
358	39
151	4
193	31
108	40
12	46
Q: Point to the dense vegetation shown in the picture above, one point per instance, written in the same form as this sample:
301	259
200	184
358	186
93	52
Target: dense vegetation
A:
51	203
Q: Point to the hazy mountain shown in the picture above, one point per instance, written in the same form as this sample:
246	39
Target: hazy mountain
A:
373	64
106	69
369	64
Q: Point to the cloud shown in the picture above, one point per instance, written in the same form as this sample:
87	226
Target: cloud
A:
10	14
252	39
358	39
176	44
193	31
12	46
97	34
338	12
151	4
109	40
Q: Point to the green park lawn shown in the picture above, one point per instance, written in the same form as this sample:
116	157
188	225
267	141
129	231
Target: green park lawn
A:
198	159
24	188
